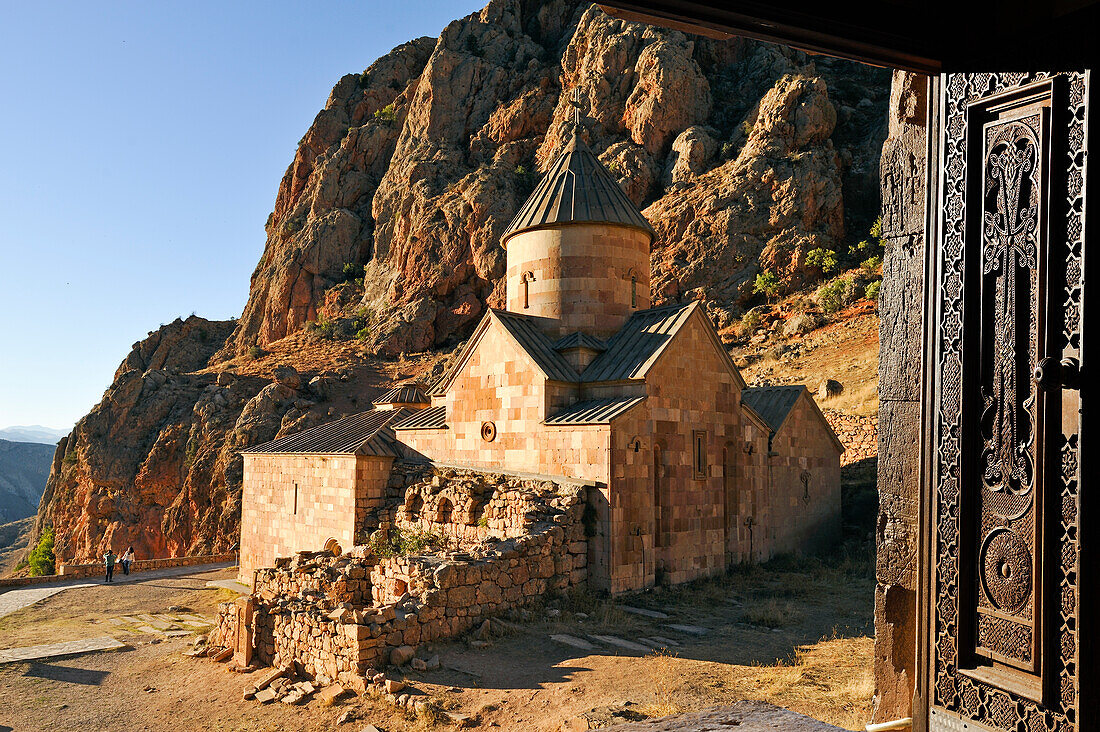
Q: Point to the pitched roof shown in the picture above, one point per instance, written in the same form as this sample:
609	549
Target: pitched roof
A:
576	189
577	339
526	334
774	404
423	419
405	394
365	433
537	345
594	411
636	346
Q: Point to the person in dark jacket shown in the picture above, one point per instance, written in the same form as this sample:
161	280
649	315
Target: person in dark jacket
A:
109	563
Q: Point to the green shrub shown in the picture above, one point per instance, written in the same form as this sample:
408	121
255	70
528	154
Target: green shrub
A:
766	284
70	458
750	322
403	542
871	291
728	150
291	226
526	180
387	115
871	264
41	558
364	79
615	168
823	259
353	271
834	295
255	352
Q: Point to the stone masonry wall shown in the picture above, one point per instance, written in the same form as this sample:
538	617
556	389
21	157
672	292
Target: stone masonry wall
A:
292	503
805	485
903	175
345	614
858	432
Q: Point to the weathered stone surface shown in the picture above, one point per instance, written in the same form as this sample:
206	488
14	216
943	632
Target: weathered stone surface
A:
900	334
401	655
901	315
745	716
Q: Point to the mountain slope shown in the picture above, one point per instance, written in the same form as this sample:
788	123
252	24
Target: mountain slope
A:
384	238
24	468
32	433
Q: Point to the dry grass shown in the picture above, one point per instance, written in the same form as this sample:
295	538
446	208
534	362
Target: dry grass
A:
662	670
830	680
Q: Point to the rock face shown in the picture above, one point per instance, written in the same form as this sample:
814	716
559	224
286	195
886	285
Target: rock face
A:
746	156
387	222
156	463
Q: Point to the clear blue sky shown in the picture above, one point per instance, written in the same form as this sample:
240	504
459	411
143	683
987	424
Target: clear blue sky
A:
143	143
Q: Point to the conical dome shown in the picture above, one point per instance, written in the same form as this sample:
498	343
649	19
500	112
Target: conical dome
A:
577	189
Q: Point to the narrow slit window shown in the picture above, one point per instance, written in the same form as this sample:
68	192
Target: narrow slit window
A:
633	291
527	278
295	499
699	439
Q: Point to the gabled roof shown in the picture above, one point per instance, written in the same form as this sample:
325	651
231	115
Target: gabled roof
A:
577	339
594	411
366	433
577	189
527	336
643	338
774	405
405	394
423	419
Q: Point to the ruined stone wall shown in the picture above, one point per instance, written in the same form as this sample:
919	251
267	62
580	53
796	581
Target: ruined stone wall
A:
804	486
345	614
292	503
903	176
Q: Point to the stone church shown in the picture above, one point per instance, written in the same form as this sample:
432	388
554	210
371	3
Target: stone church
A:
685	469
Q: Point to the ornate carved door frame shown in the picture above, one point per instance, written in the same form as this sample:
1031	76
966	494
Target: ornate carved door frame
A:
1000	644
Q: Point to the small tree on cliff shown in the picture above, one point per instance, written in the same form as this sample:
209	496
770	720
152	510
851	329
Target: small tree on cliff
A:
766	284
41	559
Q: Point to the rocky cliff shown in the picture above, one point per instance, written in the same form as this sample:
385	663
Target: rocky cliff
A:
384	238
744	155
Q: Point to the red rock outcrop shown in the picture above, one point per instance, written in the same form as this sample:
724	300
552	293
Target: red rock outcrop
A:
745	156
414	168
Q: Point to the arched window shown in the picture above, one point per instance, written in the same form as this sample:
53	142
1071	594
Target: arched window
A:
443	511
528	277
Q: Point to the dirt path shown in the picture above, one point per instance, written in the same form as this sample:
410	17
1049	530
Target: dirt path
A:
797	635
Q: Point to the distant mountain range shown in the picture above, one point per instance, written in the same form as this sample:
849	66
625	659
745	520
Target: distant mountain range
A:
24	469
32	433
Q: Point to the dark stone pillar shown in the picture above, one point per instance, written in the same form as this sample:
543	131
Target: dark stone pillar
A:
903	175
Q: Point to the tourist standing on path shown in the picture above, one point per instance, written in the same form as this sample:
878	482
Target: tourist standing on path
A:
109	562
127	560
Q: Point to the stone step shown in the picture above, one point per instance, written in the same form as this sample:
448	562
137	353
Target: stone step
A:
665	641
643	612
573	641
52	650
689	629
621	643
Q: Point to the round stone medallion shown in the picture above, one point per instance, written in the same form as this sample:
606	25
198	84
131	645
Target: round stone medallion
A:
488	431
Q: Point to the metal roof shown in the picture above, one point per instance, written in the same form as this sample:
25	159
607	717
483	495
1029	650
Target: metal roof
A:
537	345
423	419
366	433
406	394
637	344
577	339
772	403
594	411
577	189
